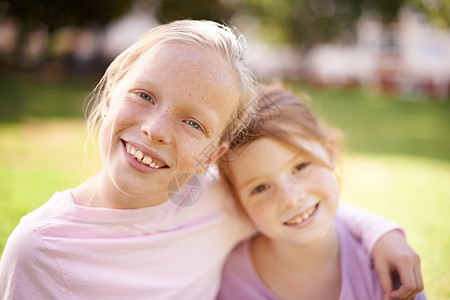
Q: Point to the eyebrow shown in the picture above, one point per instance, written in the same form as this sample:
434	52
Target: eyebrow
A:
257	178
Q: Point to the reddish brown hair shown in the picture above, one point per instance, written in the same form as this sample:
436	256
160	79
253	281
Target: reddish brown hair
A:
281	116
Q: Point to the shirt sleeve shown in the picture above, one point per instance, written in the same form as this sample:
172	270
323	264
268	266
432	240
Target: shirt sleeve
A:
27	268
365	225
420	296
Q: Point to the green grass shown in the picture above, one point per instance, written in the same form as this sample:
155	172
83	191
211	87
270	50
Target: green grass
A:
374	123
38	158
415	192
25	96
397	163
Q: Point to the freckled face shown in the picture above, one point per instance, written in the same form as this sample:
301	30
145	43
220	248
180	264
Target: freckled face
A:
173	111
287	195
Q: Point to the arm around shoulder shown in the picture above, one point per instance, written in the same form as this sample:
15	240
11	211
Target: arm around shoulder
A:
365	225
28	270
385	241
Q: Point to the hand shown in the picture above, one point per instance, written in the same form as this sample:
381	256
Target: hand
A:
395	262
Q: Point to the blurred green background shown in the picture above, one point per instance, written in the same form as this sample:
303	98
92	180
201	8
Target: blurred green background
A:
376	69
396	162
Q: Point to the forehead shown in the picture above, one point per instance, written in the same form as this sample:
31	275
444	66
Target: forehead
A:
265	156
258	158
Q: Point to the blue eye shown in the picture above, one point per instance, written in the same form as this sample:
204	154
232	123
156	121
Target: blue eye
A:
145	96
194	124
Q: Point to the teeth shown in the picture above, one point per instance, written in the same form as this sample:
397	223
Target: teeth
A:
147	160
140	157
302	217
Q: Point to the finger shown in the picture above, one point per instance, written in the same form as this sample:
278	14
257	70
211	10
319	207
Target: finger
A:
403	294
407	291
406	277
419	280
384	275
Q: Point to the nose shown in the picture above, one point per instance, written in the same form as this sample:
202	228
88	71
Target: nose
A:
158	128
291	195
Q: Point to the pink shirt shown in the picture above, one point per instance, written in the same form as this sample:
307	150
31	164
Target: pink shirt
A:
65	251
359	279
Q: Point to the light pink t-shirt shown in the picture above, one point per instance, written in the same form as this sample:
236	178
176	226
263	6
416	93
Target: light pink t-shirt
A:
65	251
359	279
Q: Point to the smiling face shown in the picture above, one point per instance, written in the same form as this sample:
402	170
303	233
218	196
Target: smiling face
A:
288	195
167	118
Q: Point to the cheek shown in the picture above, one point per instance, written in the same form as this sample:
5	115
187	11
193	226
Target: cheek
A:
326	184
193	152
261	212
125	114
104	138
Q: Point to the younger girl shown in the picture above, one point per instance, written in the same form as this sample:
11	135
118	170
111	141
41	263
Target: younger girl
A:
168	107
282	172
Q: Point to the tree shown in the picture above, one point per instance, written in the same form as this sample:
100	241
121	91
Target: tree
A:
438	11
31	14
215	10
309	22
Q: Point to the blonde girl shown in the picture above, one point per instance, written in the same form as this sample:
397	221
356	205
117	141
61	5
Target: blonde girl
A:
167	107
282	172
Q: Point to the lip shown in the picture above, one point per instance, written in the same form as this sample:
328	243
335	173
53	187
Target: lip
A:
305	222
139	166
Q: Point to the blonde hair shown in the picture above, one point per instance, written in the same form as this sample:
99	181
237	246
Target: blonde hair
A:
208	35
280	116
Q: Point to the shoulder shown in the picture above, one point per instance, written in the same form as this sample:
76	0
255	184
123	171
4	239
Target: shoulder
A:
239	258
28	239
237	269
239	279
27	266
48	212
359	279
26	248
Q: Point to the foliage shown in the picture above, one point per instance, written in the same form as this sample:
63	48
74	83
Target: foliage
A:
215	10
312	22
438	11
31	15
58	13
303	22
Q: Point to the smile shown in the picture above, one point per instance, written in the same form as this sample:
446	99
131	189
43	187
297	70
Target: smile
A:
303	217
142	158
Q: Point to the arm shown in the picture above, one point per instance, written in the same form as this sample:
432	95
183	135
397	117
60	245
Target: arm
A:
365	225
28	270
385	240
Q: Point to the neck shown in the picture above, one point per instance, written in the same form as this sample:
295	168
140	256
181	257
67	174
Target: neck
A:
322	253
100	191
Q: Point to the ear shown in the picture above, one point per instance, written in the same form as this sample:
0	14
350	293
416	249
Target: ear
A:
333	154
107	104
216	155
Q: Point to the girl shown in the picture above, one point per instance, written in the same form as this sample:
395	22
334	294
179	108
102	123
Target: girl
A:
282	172
168	107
